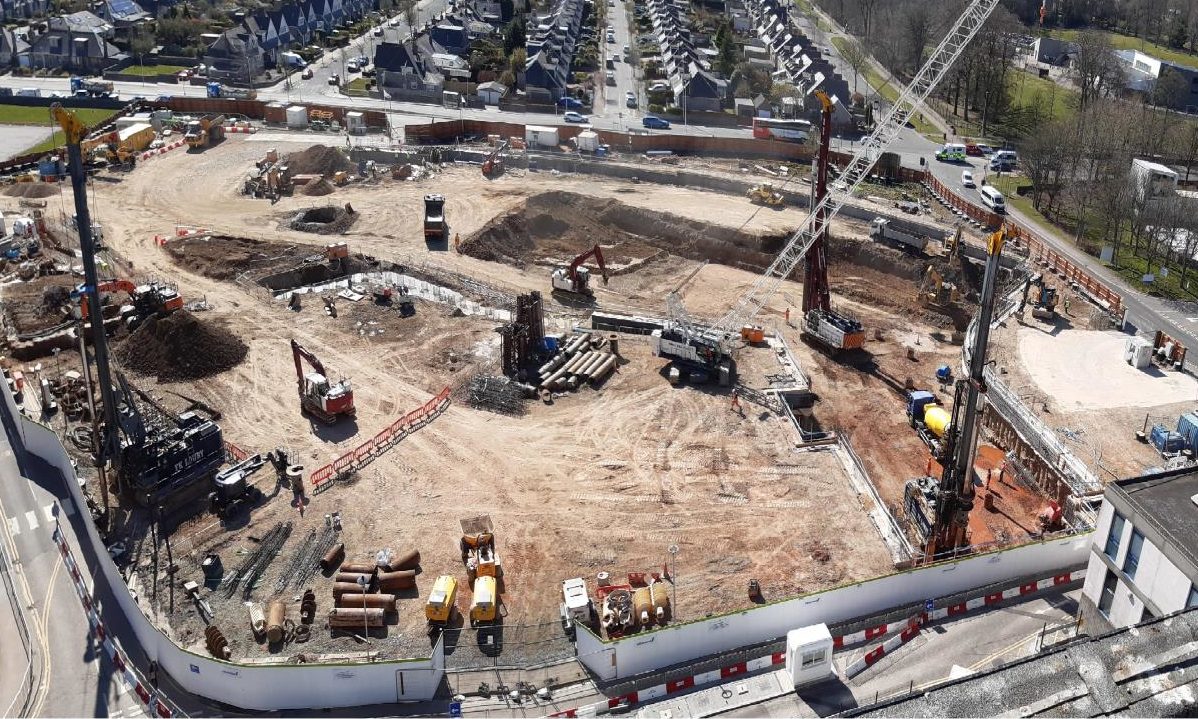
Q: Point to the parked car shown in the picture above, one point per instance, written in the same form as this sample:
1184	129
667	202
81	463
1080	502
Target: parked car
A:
570	103
611	77
972	150
967	179
629	99
627	51
334	79
351	66
575	117
378	32
306	74
985	149
660	86
654	122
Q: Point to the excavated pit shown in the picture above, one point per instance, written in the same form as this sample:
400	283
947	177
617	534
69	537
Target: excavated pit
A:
325	220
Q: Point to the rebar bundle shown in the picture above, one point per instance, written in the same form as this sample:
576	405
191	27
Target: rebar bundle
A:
496	394
265	552
297	562
311	563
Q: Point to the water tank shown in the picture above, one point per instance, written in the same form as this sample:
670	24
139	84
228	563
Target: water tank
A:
297	116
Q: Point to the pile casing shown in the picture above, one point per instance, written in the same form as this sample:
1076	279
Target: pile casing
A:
333	558
276	614
386	602
394	581
356	618
408	560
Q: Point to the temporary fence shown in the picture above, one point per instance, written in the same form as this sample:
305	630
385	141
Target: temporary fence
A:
155	703
165	148
234	453
366	452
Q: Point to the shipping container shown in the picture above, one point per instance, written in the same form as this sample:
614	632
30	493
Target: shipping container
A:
1187	427
539	136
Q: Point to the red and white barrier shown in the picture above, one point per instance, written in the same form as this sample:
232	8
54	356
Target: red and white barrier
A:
906	629
155	703
165	148
248	130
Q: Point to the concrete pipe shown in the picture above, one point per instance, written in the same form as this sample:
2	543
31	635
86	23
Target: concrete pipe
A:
603	370
359	567
340	588
333	558
276	614
549	383
355	577
613	343
408	560
550	366
589	368
356	618
572	366
576	344
386	602
597	342
394	581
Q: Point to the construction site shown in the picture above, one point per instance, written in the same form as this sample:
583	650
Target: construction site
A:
411	402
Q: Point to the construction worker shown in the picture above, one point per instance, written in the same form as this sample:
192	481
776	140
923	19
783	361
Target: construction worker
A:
787	315
457	237
1067	304
736	403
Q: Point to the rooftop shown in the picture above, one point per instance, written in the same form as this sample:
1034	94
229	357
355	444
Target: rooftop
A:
1144	671
1167	501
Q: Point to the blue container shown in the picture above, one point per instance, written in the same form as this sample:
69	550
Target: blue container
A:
550	344
1187	427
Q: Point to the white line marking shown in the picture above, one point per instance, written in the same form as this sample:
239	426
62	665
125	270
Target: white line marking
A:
31	518
48	511
14	527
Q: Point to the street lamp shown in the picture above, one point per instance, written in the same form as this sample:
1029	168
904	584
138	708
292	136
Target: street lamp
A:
686	81
673	550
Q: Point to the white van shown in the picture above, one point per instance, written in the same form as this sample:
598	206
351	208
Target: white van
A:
993	199
1004	160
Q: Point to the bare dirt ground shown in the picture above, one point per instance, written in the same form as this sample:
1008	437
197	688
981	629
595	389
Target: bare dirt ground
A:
599	480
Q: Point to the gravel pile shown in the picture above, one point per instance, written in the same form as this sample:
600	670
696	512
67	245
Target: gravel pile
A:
319	160
180	347
32	190
318	189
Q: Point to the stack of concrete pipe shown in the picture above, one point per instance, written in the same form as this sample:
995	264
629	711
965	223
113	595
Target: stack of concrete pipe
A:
581	359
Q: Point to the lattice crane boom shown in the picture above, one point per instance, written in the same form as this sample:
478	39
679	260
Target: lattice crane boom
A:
934	70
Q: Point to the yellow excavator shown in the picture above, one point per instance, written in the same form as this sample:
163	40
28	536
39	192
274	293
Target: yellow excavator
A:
934	290
765	194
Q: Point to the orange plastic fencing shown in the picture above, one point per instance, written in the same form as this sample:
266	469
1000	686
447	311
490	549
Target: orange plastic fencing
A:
322	475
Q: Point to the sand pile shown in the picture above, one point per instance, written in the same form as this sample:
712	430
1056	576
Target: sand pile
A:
318	189
180	347
32	190
319	160
505	238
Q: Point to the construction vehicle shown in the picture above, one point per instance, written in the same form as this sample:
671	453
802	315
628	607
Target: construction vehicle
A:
442	602
940	507
765	194
714	342
320	397
203	132
215	89
435	227
1044	303
493	165
484	605
232	491
883	230
934	290
151	299
88	86
927	418
576	607
576	279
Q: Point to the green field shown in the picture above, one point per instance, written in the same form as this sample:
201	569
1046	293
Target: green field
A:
21	115
1027	89
887	90
1127	42
149	70
46	145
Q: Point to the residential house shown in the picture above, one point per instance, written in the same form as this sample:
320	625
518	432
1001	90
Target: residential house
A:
296	17
451	35
1144	74
1052	51
77	42
489	11
12	11
404	67
699	90
235	56
491	92
123	14
1144	557
550	47
451	66
14	51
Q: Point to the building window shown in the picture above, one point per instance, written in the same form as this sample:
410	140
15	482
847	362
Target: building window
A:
1132	561
1192	600
1108	594
1116	533
813	658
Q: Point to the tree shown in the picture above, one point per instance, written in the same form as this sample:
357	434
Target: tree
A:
725	61
1095	68
408	10
918	24
517	60
140	42
1170	85
855	57
514	34
1186	141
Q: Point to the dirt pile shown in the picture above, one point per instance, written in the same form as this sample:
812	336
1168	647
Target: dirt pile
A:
319	188
222	257
505	238
31	190
319	160
180	347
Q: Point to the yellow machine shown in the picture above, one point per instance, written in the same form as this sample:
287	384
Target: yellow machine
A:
764	194
441	601
478	548
935	290
204	131
484	607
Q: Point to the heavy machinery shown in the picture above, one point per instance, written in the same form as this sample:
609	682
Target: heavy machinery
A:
765	194
155	298
88	86
154	457
715	341
882	230
478	553
934	290
576	279
320	397
442	602
940	508
215	89
928	418
1044	303
203	132
435	227
484	604
493	165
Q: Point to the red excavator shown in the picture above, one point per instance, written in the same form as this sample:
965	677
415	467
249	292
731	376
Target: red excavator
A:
493	165
154	298
576	279
319	397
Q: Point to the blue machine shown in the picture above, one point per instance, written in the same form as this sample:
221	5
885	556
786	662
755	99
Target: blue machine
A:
1166	441
214	89
1187	427
944	374
917	400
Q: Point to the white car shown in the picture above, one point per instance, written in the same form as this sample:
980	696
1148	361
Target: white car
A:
967	179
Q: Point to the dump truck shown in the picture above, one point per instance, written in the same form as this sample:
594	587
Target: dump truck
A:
883	230
928	418
435	227
98	88
204	131
439	608
484	606
215	89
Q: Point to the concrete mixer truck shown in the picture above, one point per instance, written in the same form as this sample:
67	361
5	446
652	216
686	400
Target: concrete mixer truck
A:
928	418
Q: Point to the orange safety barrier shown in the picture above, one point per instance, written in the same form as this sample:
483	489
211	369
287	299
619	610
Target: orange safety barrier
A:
322	475
382	437
343	462
363	451
236	452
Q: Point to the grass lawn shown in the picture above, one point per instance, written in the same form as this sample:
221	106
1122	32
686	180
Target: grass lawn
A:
358	84
1133	269
1027	89
148	70
46	145
1127	42
21	115
888	91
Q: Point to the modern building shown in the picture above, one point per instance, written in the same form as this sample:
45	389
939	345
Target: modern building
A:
1144	74
1051	51
1144	560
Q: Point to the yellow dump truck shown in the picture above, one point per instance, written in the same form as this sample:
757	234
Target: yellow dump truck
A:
204	131
441	601
485	604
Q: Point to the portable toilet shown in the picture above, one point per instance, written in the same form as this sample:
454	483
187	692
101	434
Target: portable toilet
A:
484	606
355	123
809	654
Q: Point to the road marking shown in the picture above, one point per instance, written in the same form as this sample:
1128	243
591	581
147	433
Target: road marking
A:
31	519
48	511
14	526
68	507
1192	319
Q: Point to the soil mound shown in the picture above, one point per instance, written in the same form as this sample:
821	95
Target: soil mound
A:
32	190
505	238
180	347
318	189
319	160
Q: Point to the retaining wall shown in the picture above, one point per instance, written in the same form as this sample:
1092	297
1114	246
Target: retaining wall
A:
630	656
264	688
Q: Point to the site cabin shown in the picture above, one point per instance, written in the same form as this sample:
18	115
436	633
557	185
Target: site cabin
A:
441	602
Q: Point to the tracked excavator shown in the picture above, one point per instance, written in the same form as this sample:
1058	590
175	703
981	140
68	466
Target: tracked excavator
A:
151	299
320	397
576	279
765	194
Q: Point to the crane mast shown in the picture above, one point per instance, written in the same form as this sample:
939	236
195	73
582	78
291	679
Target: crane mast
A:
914	94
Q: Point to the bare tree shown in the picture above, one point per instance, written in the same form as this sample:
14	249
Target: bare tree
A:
917	21
855	57
1185	140
1095	68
